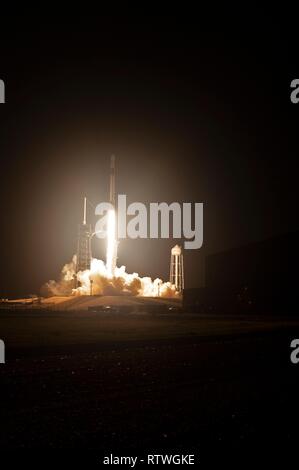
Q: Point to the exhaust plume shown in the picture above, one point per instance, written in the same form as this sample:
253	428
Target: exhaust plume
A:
122	283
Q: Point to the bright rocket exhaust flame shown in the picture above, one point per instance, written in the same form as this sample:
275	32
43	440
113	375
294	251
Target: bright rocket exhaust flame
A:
111	243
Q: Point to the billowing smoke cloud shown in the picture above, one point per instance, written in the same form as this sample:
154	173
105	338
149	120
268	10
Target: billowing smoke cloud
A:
103	283
65	285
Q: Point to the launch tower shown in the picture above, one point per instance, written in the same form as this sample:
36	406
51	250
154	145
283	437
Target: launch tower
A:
84	248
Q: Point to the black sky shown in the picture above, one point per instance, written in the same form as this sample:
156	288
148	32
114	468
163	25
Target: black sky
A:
191	115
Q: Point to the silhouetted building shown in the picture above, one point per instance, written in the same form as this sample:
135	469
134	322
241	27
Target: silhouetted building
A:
259	277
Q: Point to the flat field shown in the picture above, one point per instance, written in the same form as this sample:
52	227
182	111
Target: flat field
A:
133	384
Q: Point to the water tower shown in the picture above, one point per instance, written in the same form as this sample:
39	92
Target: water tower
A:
177	268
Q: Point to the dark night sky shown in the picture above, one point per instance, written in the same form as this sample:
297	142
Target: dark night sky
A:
192	116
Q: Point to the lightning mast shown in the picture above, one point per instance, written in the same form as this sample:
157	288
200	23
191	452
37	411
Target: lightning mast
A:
83	247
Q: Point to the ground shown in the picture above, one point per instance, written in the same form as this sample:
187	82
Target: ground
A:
132	384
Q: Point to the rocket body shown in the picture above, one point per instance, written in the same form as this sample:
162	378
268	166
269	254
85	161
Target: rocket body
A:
112	181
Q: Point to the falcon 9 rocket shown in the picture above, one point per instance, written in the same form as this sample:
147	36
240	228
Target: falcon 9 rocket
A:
112	243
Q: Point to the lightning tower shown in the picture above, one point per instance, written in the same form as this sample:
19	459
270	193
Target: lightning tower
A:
84	247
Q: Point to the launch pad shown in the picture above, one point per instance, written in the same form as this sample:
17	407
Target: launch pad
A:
112	304
86	275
